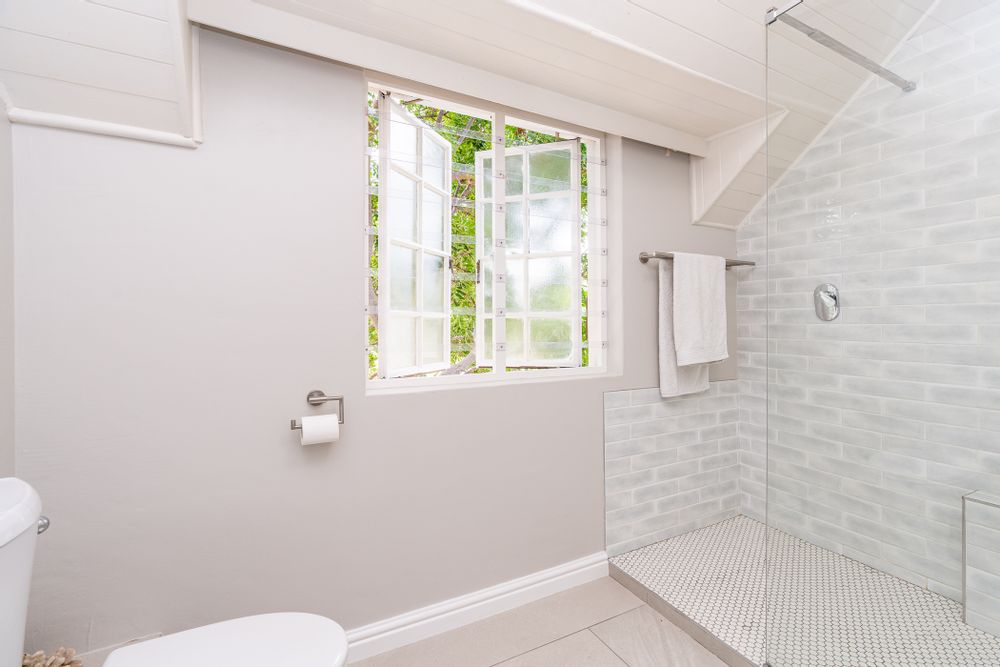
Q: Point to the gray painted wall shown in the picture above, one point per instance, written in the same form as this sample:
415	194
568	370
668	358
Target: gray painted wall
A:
185	301
6	299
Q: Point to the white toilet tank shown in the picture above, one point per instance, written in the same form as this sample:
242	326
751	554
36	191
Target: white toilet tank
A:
20	509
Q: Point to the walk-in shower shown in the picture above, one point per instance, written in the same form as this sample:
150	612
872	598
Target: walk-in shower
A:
859	522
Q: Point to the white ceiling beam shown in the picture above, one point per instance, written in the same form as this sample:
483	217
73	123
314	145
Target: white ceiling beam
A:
297	32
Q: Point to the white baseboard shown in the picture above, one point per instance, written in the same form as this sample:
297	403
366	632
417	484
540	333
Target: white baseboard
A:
381	636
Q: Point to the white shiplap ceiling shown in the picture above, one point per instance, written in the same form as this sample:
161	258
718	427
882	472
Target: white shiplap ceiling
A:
539	44
678	73
694	66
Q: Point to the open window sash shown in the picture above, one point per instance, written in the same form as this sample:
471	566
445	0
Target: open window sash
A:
414	236
542	209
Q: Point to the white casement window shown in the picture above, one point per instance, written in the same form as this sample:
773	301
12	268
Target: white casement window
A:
414	244
541	240
479	274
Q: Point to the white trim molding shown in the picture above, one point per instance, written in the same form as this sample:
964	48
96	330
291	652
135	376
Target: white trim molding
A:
382	636
29	117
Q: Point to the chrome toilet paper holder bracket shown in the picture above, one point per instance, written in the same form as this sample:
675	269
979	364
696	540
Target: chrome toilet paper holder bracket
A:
317	398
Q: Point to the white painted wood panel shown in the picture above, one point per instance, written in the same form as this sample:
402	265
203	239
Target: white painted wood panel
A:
532	48
682	71
99	61
89	24
311	36
73	99
715	57
64	61
156	9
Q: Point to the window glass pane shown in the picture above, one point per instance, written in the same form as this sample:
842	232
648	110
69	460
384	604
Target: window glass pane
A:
402	202
550	339
403	142
402	342
487	217
487	334
487	279
403	269
434	166
515	226
515	174
515	285
551	223
433	279
433	340
515	340
549	282
549	171
486	184
433	221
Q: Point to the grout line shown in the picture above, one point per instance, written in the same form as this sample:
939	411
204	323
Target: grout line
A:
574	632
591	631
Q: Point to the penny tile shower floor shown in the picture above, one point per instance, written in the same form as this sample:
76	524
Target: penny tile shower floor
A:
827	610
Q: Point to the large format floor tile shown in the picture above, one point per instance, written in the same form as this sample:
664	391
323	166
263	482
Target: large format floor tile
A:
581	649
643	638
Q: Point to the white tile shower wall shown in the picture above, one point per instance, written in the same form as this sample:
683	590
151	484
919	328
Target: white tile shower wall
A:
880	421
671	464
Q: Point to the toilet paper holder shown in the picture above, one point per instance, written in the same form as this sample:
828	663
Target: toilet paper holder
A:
317	397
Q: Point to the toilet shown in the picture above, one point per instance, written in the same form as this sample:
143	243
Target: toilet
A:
20	513
266	640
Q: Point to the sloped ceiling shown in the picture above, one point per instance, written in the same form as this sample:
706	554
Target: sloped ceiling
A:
545	46
810	82
694	67
683	74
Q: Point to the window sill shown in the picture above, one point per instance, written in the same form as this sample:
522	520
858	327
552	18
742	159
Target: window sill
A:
412	385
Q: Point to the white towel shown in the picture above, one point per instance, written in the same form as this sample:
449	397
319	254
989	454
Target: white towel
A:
674	380
700	329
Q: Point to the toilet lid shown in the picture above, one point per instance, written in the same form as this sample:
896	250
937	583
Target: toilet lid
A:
267	640
20	507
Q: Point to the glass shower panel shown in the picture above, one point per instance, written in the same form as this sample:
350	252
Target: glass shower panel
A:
870	333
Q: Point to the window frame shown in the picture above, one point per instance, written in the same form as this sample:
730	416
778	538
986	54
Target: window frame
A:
575	314
388	108
603	360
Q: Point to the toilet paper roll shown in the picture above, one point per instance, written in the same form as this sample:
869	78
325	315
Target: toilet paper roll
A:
317	429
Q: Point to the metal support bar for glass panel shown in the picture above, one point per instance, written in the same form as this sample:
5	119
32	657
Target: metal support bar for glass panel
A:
773	13
835	45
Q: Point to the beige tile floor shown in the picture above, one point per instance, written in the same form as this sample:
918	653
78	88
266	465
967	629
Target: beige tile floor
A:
599	624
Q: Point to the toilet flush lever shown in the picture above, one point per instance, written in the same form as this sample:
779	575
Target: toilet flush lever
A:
43	524
827	301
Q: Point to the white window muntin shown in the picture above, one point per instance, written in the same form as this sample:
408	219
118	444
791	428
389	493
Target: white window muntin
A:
409	324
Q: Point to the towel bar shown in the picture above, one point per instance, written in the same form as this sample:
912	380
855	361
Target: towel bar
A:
646	256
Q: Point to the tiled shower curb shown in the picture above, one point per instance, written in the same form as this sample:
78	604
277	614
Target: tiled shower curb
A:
719	648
